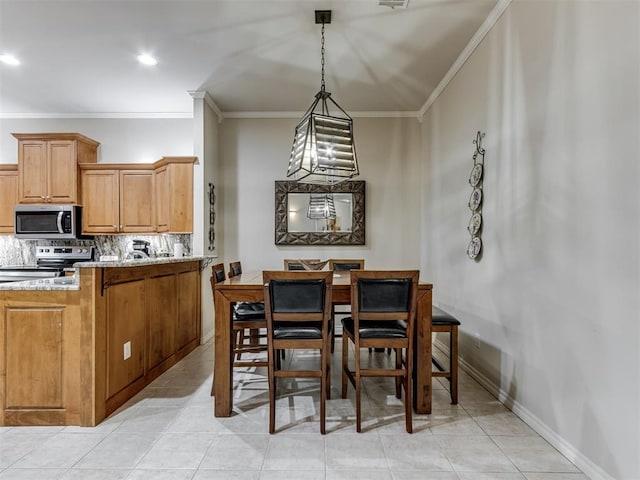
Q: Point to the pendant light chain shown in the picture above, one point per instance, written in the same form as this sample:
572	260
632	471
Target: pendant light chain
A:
322	58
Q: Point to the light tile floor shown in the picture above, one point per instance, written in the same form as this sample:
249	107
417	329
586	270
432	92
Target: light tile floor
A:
169	432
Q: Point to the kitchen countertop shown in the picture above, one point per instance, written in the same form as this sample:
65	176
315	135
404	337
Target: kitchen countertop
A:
72	282
136	262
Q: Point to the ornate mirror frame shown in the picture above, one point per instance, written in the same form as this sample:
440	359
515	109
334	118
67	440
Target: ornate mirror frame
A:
354	237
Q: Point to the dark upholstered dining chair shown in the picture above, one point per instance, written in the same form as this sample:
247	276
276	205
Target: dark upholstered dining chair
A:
247	312
245	316
290	264
298	305
443	322
383	312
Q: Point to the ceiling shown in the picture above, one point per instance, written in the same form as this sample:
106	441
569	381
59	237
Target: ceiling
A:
79	56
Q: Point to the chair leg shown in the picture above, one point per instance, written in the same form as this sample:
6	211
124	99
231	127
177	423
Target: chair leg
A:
345	364
358	392
398	379
333	328
408	395
323	390
240	342
453	364
272	390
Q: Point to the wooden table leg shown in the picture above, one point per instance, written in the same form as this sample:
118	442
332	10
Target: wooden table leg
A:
422	368
222	363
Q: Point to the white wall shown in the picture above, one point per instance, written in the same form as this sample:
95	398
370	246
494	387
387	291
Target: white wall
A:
255	153
121	140
555	297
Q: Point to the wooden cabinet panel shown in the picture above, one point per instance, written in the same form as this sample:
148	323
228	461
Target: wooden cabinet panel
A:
100	200
161	310
62	172
32	161
188	328
174	194
125	324
34	369
162	199
117	199
136	201
48	166
8	196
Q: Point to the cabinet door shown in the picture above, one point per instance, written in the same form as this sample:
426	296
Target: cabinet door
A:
161	310
162	199
125	334
100	200
136	201
8	199
62	172
34	369
188	308
174	198
32	171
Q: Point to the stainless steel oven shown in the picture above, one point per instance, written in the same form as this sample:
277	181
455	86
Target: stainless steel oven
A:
51	261
50	222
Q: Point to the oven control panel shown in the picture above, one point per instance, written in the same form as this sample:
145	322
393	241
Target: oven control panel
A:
78	253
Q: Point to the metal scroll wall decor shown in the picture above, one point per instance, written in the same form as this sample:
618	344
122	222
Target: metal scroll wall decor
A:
474	249
212	218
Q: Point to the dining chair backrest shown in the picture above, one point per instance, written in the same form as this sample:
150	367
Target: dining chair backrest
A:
342	265
235	268
290	264
217	276
298	296
217	273
384	295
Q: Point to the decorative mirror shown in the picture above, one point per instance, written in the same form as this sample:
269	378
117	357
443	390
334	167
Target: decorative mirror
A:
299	223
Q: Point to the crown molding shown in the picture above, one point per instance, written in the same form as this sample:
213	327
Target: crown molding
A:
203	94
486	26
363	114
128	115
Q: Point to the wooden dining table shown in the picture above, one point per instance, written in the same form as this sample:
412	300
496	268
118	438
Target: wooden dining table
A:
248	287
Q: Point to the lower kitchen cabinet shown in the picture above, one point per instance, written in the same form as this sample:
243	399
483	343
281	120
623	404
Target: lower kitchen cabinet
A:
72	357
125	335
152	321
40	361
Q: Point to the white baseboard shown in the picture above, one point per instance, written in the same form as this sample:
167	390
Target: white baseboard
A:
593	471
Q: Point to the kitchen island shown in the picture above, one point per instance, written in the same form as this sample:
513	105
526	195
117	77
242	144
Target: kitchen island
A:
73	349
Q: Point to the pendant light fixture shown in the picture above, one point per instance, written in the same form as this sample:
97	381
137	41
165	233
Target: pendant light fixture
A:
323	149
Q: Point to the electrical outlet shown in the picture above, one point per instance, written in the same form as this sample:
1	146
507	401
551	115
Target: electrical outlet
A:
476	340
127	350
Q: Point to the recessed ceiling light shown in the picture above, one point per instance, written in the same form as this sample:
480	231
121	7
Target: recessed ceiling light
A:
147	59
9	59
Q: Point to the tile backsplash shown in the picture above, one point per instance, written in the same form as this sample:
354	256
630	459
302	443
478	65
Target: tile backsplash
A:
22	252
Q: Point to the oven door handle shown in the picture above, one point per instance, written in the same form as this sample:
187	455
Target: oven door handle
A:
60	215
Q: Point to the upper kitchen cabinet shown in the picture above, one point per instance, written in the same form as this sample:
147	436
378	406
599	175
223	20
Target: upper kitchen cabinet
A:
8	196
174	194
48	165
117	198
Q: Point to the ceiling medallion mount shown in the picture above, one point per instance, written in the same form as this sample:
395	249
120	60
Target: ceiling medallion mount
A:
323	150
323	17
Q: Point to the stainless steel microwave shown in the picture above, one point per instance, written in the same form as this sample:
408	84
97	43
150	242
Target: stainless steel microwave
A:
48	222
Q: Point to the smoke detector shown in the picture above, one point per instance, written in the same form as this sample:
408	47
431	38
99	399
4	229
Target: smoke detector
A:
394	3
